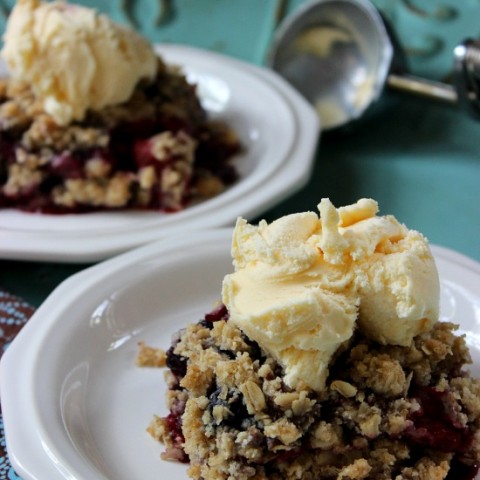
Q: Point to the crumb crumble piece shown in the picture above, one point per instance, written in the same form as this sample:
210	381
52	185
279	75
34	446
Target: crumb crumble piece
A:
150	356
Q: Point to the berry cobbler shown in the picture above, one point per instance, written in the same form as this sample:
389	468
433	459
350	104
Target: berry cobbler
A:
156	151
325	360
91	119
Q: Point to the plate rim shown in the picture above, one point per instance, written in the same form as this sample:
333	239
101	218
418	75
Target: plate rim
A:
59	299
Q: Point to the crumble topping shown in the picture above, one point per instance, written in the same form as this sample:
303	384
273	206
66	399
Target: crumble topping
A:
387	412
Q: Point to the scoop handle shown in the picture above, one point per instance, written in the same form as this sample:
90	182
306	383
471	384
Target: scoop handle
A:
430	89
465	91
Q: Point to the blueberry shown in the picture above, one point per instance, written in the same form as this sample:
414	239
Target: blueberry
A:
239	417
176	363
206	324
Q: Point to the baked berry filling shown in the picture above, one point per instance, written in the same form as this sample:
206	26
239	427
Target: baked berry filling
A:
435	425
219	313
462	471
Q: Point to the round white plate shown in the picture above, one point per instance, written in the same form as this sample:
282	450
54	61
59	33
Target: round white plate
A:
74	403
277	127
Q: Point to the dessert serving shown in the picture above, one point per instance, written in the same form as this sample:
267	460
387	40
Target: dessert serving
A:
325	359
92	119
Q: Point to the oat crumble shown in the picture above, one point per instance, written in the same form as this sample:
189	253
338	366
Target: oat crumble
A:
388	412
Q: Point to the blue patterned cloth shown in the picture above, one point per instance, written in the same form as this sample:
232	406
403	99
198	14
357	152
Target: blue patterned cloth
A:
14	313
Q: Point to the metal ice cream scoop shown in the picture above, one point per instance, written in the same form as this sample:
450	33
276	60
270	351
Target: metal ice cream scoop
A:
340	54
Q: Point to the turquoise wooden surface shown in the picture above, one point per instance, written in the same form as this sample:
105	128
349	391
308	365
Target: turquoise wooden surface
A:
420	160
238	28
430	30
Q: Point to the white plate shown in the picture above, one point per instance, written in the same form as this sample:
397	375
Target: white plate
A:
74	403
278	128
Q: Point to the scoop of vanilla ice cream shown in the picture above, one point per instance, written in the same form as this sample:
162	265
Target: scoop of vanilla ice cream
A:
399	291
394	271
300	325
74	58
303	283
279	296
